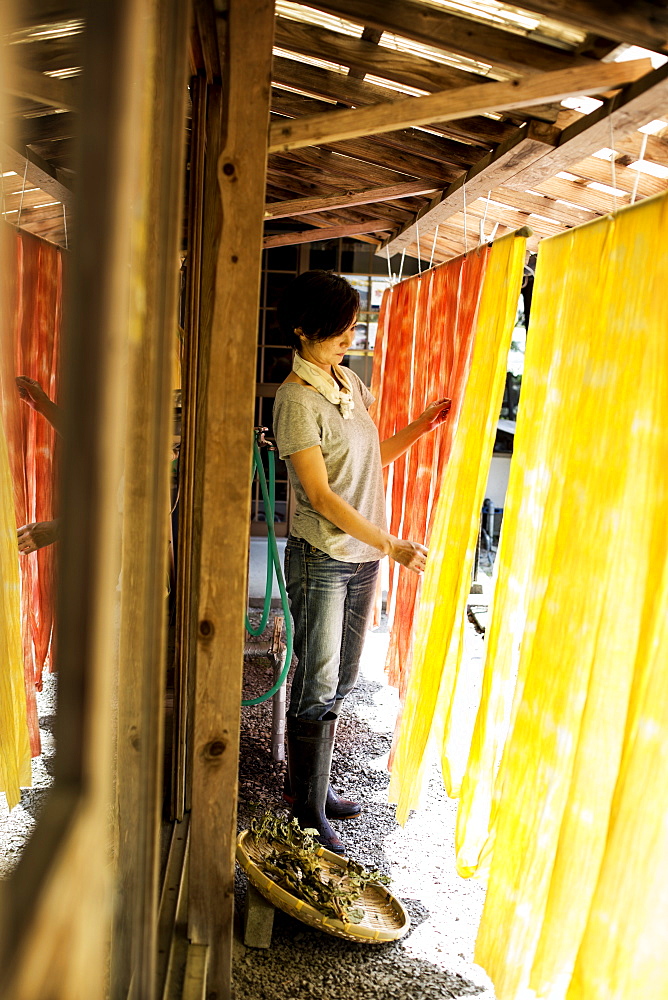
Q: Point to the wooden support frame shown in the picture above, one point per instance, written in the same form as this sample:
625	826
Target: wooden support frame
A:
645	99
302	206
62	94
530	143
329	233
227	387
454	33
143	624
26	163
640	23
450	104
185	597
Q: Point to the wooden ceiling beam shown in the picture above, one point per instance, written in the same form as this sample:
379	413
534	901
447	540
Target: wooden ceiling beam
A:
414	141
639	23
543	205
368	35
382	155
332	232
583	196
46	128
335	169
37	172
529	143
625	112
349	199
355	53
342	89
453	33
656	149
622	177
28	83
490	97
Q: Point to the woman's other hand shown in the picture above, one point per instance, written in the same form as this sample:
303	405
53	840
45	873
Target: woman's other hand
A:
31	391
435	413
412	555
37	535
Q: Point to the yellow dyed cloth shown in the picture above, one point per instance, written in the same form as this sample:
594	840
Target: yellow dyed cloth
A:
15	768
574	827
447	579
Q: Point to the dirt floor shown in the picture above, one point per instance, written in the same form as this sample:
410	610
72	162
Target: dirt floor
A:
435	959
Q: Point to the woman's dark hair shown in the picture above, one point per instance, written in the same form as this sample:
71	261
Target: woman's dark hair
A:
320	303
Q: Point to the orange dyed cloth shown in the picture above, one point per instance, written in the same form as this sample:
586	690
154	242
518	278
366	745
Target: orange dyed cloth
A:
422	353
33	303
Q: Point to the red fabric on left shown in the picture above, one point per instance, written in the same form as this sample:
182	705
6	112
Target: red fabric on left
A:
35	290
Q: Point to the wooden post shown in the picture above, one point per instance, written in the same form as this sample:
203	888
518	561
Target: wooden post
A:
55	911
186	608
228	398
143	625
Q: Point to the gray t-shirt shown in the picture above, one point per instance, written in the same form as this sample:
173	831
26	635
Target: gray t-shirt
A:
303	418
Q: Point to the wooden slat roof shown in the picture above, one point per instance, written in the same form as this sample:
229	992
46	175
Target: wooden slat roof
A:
510	153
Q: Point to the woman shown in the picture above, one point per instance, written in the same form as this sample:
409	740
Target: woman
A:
339	531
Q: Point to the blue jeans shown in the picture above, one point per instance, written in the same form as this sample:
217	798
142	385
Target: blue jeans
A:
331	604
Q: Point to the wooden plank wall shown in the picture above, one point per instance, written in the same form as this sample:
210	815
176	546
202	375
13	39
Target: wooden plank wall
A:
228	362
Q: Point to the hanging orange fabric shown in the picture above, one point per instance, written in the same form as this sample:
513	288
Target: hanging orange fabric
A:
426	330
33	284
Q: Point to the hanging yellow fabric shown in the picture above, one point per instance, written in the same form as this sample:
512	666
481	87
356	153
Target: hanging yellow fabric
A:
447	577
574	829
15	768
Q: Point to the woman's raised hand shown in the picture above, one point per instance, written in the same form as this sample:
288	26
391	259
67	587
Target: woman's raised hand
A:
435	413
31	391
412	555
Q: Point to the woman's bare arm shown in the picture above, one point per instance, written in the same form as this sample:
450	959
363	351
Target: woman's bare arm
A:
392	448
309	466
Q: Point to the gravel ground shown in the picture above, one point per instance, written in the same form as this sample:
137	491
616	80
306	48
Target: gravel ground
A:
16	826
435	959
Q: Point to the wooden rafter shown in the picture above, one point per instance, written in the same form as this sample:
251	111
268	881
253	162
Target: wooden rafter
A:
333	232
617	175
412	140
577	193
454	33
529	143
479	99
638	23
302	206
37	172
647	98
356	53
63	94
542	205
384	155
342	89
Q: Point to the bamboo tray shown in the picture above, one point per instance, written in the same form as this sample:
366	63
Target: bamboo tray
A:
385	919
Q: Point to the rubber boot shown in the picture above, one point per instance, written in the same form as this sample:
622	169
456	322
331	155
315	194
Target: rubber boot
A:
310	748
335	806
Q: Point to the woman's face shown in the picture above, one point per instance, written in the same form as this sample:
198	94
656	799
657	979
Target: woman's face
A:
326	353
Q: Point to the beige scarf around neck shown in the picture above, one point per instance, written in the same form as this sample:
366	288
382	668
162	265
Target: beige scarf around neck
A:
326	385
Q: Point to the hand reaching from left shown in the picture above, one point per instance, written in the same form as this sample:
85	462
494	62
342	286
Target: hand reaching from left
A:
435	413
31	391
36	535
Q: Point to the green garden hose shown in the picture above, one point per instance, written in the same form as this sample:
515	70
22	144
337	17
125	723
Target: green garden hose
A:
273	565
